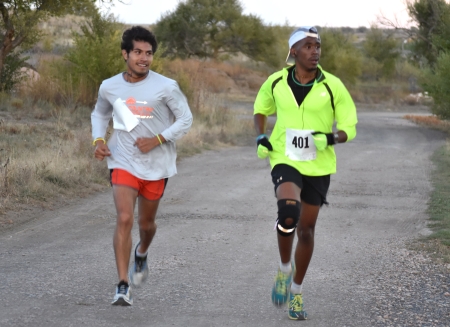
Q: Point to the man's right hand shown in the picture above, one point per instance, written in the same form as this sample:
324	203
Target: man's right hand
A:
101	150
264	146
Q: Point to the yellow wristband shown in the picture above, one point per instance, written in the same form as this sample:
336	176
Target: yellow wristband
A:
157	135
98	139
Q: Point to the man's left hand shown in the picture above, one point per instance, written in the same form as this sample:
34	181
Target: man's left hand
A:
322	140
146	144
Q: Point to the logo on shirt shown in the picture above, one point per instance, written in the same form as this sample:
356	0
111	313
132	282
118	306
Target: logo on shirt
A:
139	108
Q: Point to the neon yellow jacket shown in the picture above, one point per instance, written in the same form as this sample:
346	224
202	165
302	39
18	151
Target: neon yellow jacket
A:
315	113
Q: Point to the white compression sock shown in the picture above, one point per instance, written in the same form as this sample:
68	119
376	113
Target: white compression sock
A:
285	267
296	288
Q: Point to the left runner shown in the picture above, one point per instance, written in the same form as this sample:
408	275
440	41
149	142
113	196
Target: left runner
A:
149	113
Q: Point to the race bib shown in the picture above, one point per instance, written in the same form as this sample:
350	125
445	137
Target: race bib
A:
300	145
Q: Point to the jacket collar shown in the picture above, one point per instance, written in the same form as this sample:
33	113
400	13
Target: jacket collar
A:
320	72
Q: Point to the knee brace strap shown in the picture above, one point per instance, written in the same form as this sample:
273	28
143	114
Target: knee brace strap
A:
287	208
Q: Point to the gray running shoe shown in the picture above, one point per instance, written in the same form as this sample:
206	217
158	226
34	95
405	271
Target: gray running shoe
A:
123	294
139	270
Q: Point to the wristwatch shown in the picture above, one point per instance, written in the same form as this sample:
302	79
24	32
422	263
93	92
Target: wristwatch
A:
336	138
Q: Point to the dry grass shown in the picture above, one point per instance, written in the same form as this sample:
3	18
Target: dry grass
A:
45	138
216	77
214	125
438	251
41	162
56	85
382	92
430	121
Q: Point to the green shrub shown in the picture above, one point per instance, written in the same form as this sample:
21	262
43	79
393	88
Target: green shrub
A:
11	74
437	82
340	56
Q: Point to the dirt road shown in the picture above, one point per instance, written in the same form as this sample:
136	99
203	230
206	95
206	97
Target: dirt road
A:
214	256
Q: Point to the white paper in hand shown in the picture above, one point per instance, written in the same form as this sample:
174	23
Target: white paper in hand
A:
123	118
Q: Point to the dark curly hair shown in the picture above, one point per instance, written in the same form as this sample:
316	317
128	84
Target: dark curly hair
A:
137	33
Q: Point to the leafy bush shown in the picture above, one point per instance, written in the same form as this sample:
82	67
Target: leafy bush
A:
384	49
11	74
436	81
95	55
214	29
340	56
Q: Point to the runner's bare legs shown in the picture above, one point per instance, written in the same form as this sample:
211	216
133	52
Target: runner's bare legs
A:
147	222
305	244
305	232
125	200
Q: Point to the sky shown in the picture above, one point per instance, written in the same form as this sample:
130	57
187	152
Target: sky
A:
325	13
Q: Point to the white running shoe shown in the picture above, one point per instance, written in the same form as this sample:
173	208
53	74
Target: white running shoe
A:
138	273
123	295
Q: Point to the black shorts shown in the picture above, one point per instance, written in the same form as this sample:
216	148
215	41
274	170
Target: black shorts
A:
314	188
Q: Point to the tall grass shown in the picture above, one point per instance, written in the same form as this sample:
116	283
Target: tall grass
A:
207	86
216	77
440	205
45	138
44	161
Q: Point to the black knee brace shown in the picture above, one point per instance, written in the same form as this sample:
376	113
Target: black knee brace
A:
287	208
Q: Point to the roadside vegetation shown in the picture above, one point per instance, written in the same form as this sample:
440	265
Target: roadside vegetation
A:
439	206
51	68
45	139
438	243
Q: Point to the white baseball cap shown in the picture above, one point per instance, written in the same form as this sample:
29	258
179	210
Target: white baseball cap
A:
297	35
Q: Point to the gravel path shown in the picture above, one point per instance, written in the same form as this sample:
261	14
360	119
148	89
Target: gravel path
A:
214	256
399	286
410	290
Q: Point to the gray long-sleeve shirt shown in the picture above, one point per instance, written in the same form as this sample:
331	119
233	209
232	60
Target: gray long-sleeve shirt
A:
160	107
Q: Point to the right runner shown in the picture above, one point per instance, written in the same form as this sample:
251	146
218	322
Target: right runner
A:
307	101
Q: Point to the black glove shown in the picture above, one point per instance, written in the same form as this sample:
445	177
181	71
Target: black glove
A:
264	141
